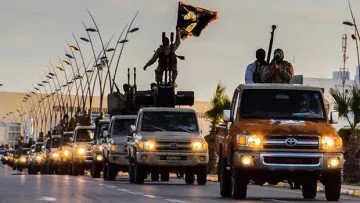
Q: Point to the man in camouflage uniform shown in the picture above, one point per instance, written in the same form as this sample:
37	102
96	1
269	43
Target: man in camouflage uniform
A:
167	58
279	70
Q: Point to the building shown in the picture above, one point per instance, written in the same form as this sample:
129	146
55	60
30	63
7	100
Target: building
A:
14	124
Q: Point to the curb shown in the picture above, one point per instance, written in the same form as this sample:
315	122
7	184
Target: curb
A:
320	188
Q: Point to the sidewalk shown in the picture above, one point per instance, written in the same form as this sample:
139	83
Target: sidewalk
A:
345	189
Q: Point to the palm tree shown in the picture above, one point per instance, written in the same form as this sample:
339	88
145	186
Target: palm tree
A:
220	102
348	106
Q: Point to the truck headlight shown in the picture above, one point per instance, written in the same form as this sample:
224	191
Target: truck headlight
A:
38	158
55	155
80	151
331	142
148	145
22	159
113	148
252	141
198	146
99	148
66	153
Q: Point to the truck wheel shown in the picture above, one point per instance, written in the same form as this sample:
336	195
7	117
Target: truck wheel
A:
155	176
42	169
74	170
20	169
105	169
70	169
201	176
165	177
131	171
81	169
239	184
95	170
30	172
189	178
225	179
139	175
111	171
332	183
309	188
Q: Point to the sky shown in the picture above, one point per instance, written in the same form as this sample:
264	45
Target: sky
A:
33	33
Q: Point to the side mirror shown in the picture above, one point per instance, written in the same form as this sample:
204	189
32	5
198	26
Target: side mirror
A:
71	139
106	133
227	116
132	129
42	147
334	117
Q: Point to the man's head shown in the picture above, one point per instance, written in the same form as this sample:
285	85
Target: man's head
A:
166	41
260	55
279	55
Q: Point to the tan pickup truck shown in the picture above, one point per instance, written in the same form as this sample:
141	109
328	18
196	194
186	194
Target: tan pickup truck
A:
165	140
276	133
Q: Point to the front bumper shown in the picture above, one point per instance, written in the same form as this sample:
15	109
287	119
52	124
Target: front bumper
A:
172	159
82	159
272	161
118	159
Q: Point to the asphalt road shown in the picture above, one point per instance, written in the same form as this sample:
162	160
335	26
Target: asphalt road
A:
20	187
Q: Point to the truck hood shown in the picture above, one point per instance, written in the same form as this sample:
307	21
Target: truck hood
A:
273	127
183	136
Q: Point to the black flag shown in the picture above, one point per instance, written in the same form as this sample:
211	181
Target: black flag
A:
193	20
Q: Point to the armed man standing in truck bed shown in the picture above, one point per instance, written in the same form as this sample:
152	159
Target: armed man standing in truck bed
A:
278	71
166	54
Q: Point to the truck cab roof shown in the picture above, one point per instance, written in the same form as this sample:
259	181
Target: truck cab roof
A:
124	117
85	128
279	86
166	109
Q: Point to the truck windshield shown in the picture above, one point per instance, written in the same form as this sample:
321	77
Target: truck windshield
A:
169	121
282	104
121	126
103	127
66	138
84	135
55	142
38	148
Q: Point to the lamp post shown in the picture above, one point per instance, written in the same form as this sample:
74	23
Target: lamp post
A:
68	83
77	99
355	36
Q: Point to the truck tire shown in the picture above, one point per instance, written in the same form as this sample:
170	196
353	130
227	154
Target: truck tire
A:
309	188
201	176
95	170
239	184
42	169
131	171
189	178
225	179
139	175
332	183
30	170
111	171
165	177
155	176
81	169
74	170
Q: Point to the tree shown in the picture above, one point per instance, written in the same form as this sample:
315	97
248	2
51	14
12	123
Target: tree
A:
348	106
220	102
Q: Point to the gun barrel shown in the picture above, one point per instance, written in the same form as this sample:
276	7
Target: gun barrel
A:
271	43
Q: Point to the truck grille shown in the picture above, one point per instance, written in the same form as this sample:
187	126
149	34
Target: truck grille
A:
173	146
291	142
292	160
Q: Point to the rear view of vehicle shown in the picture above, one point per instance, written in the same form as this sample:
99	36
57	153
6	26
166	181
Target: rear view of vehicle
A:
65	152
52	157
115	152
35	158
101	131
81	157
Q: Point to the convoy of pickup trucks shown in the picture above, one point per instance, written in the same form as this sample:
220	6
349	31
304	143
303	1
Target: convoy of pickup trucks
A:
290	139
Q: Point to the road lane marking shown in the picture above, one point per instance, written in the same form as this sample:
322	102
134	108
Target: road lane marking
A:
48	199
123	190
110	186
174	200
150	196
136	193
